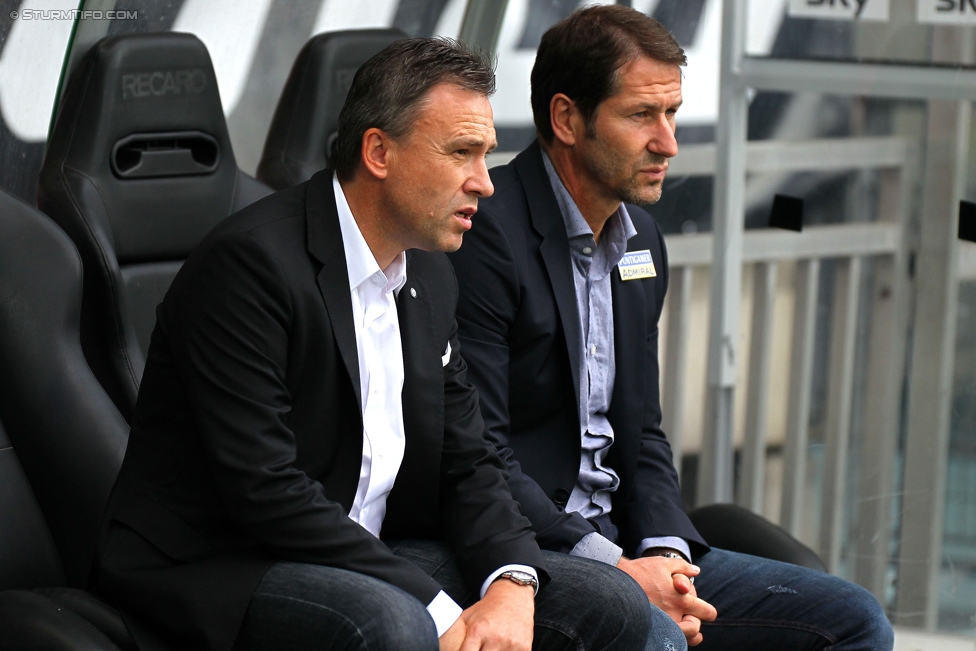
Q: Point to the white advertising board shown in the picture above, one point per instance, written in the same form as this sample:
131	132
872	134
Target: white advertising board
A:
873	10
947	12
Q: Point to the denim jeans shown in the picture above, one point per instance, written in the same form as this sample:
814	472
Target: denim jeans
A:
587	605
299	606
765	604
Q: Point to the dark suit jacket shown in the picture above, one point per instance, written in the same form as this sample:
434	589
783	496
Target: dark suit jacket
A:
519	327
246	442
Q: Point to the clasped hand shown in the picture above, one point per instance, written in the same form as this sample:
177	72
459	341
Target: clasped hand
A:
667	584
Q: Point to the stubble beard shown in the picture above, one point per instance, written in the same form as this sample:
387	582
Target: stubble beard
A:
604	165
642	195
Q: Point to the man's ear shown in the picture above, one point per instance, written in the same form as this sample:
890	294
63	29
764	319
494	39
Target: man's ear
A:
376	153
563	115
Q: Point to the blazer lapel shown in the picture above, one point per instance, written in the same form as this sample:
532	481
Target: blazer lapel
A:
548	222
423	400
325	244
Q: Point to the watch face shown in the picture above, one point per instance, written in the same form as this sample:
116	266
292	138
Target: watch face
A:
520	577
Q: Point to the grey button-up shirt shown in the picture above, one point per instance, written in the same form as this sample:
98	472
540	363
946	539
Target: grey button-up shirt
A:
592	265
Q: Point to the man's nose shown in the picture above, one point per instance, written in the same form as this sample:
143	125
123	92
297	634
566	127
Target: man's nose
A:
664	143
479	183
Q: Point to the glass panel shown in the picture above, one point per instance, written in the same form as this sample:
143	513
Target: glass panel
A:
931	526
957	581
28	85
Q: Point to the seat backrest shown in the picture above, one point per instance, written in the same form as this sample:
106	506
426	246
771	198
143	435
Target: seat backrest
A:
304	124
28	556
61	427
139	167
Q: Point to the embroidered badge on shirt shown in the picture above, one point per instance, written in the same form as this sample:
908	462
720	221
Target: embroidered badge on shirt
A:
637	264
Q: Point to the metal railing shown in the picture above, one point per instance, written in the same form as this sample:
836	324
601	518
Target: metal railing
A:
764	253
948	94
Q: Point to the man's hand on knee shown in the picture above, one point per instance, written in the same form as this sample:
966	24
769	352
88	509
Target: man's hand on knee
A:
667	584
502	620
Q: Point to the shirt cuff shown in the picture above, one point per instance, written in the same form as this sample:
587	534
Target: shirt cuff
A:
598	548
444	611
679	545
505	568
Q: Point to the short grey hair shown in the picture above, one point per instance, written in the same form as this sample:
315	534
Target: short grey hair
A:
389	90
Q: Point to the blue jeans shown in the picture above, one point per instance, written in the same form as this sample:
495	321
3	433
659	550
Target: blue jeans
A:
571	611
765	604
298	606
303	607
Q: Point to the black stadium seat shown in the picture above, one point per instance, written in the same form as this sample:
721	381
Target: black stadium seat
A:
61	445
304	124
139	167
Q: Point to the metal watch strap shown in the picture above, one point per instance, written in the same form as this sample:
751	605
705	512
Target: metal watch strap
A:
522	578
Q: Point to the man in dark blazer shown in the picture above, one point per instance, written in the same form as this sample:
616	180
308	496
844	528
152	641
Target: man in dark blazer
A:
305	397
562	281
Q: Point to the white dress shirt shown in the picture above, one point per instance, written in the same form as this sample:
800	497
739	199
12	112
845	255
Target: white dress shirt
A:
374	311
373	292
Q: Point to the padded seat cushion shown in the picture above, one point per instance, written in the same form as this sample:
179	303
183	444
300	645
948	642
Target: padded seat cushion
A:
66	433
142	147
139	168
736	529
29	620
28	556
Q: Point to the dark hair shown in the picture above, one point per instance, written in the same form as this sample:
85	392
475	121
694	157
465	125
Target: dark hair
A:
389	90
580	57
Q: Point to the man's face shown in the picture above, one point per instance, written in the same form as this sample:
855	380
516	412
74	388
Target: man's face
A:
631	138
438	169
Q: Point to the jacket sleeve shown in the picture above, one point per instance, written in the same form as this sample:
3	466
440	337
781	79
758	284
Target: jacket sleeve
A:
488	306
480	517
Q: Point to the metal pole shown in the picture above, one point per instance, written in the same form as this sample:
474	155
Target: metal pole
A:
728	209
482	23
933	348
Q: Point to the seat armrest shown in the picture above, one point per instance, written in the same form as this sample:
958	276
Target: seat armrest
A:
736	529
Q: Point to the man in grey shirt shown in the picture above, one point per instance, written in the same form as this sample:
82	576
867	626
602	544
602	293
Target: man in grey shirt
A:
562	280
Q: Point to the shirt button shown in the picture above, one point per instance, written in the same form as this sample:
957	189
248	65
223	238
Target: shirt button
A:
413	293
587	250
560	497
593	350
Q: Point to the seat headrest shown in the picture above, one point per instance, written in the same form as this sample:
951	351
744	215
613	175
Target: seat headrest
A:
304	123
141	138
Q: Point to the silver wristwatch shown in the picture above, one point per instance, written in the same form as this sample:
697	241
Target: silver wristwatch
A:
522	578
669	555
